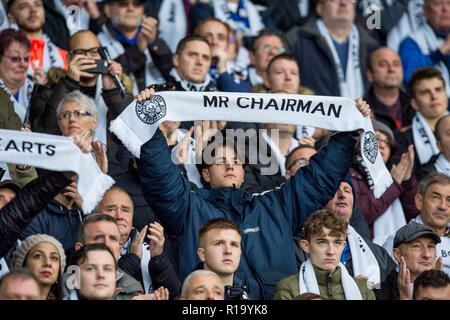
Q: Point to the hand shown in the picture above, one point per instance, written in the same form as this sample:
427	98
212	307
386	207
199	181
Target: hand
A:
404	281
91	8
148	34
398	171
40	76
439	265
100	155
363	107
114	68
362	277
83	140
182	148
136	246
146	94
156	239
220	57
307	140
410	157
78	65
71	191
161	294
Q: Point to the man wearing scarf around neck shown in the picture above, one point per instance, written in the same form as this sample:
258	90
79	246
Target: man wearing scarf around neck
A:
429	45
132	40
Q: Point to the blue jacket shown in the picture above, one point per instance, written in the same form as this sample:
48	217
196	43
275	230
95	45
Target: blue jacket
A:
267	221
57	221
413	58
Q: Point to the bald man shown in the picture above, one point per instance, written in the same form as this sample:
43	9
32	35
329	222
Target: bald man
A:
389	102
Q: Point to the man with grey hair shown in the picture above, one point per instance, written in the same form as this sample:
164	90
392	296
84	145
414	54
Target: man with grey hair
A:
202	285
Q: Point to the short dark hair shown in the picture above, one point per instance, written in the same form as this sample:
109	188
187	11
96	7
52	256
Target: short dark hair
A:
193	37
430	278
325	218
91	218
23	274
283	56
225	143
8	36
217	223
424	73
290	154
264	33
437	127
434	177
201	23
80	255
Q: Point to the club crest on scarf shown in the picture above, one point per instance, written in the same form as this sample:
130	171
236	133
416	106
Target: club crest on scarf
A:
370	146
150	111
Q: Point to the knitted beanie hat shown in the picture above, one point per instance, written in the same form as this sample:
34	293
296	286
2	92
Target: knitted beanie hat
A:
21	252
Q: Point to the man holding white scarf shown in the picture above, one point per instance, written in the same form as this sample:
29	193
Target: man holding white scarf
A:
267	220
429	45
132	40
332	51
323	273
429	99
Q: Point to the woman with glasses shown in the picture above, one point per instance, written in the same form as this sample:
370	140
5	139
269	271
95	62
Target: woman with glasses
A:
398	199
14	59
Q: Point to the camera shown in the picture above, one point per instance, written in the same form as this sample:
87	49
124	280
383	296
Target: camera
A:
101	68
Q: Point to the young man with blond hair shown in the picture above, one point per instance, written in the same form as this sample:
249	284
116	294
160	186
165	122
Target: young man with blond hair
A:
322	273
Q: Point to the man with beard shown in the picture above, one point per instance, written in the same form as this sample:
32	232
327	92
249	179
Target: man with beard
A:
389	102
29	15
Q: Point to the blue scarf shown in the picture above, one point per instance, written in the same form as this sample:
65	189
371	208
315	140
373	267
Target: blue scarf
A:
236	17
122	38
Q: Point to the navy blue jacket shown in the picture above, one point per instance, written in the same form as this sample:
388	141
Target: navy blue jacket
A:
57	221
267	221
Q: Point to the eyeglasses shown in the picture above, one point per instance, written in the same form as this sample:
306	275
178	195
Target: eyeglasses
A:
385	142
92	51
267	48
78	114
125	4
299	163
18	59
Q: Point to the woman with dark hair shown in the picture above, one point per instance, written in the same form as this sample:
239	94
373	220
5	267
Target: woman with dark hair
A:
396	206
44	256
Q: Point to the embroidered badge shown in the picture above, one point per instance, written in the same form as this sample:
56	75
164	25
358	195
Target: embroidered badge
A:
150	111
370	146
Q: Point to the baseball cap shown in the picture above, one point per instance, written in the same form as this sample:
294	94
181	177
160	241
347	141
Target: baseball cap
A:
10	185
411	231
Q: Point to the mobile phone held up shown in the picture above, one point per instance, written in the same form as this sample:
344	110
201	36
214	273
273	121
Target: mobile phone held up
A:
101	68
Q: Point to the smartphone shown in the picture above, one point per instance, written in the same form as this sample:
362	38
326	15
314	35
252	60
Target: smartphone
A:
101	68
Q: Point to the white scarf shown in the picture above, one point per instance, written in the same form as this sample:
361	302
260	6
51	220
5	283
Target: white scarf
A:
254	77
223	13
307	281
442	165
351	82
56	153
364	261
139	121
191	169
303	131
389	222
22	106
303	8
52	57
429	42
189	86
281	158
172	22
77	18
412	19
424	139
115	49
